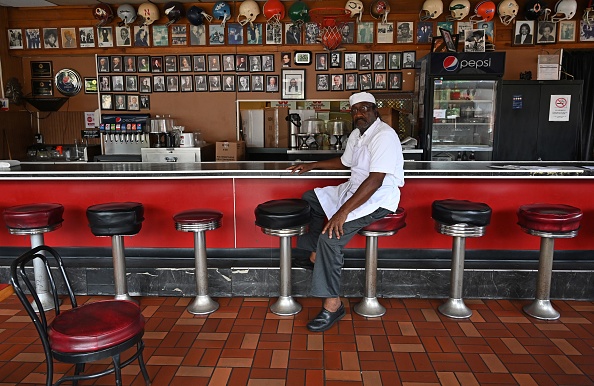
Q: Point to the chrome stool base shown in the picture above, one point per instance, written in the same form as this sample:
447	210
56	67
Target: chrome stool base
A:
455	308
370	308
202	305
285	306
541	309
125	297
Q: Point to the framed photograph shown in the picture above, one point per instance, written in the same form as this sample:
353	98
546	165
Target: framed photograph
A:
243	83
198	35
91	86
312	31
116	64
321	61
199	63
241	63
42	69
524	32
42	87
365	32
229	63
255	63
156	64
268	63
474	40
187	83
106	102
228	82
409	59
292	34
567	31
586	32
145	102
214	83
365	81
141	36
170	63
143	64
131	83
185	63
335	59
405	32
160	35
424	32
172	83
68	37
395	80
104	83
365	61
145	84
129	64
450	43
489	27
385	33
159	83
293	84
351	81
34	38
179	35
257	82
271	83
322	83
200	84
123	40
216	34
337	82
117	82
547	32
394	60
447	25
379	61
105	36
120	102
348	32
234	33
133	104
254	33
350	60
274	33
379	80
285	59
50	38
214	63
464	26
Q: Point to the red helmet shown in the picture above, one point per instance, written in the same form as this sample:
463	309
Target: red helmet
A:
103	13
484	11
273	8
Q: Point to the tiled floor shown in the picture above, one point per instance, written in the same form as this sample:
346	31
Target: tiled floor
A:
244	344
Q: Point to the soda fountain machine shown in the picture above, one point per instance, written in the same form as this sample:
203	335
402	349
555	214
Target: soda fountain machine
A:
122	137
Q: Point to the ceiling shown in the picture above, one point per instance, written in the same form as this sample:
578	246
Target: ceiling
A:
51	3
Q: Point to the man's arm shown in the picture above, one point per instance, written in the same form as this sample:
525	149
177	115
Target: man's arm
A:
334	164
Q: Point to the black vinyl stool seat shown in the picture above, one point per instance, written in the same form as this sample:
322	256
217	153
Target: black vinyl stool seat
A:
284	218
200	221
549	222
387	226
117	219
459	219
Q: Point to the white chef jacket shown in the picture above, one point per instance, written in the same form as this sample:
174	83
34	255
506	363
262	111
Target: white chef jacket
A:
377	150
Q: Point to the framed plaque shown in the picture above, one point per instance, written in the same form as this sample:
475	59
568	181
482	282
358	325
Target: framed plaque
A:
90	85
41	70
42	87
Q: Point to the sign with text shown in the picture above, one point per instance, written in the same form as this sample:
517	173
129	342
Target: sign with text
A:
559	108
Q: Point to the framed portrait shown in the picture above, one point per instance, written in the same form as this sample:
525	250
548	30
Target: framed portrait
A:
129	64
116	64
68	37
271	83
379	61
160	35
133	102
351	81
214	83
170	63
104	83
123	40
337	82
405	32
286	59
348	32
395	80
451	42
199	63
312	31
187	83
241	63
547	32
172	83
179	35
229	63
228	82
142	36
143	64
293	84
424	32
216	34
462	27
335	59
474	40
185	63
409	59
254	33
385	33
243	83
365	81
379	80
145	102
394	60
292	34
87	37
120	102
321	61
274	33
145	84
214	63
117	82
105	36
350	60
365	32
131	83
255	63
159	83
322	82
33	36
198	35
91	85
523	33
567	30
106	102
50	38
156	63
200	84
44	69
234	33
268	63
586	32
365	61
257	82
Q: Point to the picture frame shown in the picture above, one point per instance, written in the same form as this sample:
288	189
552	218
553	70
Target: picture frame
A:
156	64
424	32
409	59
567	31
68	37
229	83
379	61
229	63
33	37
394	60
187	83
117	82
405	32
105	37
365	32
241	63
547	32
50	38
179	35
293	34
272	83
293	84
268	63
322	82
274	33
160	35
200	83
42	87
243	83
123	39
104	83
379	80
450	44
133	102
255	63
257	82
350	60
321	61
365	81
106	102
337	82
351	81
216	34
286	59
172	83
170	63
335	59
523	33
214	62
116	64
129	64
474	40
214	83
145	102
385	33
234	33
199	63
42	69
145	84
365	61
142	36
197	35
185	63
131	83
254	33
159	83
586	32
102	64
302	58
87	37
120	102
312	32
395	80
91	86
143	64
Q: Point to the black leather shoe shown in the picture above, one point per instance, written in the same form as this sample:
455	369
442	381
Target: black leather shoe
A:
326	319
303	262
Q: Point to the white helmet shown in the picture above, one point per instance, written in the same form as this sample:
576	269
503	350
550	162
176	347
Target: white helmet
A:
355	8
127	13
248	11
564	10
431	9
148	13
508	10
459	9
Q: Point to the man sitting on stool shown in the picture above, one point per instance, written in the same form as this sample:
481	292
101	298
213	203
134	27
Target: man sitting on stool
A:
374	156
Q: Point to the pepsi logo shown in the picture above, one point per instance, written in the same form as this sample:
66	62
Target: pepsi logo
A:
450	63
118	119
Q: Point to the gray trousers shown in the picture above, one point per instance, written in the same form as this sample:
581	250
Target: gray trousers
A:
329	256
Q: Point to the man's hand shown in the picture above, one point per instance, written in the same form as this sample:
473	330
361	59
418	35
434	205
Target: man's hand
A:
334	225
301	168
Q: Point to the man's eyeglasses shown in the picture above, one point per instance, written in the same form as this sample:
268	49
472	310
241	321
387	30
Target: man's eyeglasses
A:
363	109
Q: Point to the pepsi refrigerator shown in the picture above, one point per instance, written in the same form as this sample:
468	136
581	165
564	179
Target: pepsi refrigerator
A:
457	104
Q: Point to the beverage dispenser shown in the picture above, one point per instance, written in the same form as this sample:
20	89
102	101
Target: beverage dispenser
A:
124	133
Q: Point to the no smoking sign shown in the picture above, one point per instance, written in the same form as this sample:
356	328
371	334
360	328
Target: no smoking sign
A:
559	108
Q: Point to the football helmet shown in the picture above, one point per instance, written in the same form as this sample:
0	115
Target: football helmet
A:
148	13
484	11
355	8
589	14
299	12
174	11
564	10
380	9
459	9
221	11
431	9
248	11
274	9
103	13
197	15
127	13
534	9
508	10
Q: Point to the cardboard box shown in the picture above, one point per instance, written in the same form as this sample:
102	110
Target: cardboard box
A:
276	127
252	122
391	116
230	151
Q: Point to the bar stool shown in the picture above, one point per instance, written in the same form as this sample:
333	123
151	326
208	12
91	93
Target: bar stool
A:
549	222
35	220
459	219
285	219
117	219
200	221
387	226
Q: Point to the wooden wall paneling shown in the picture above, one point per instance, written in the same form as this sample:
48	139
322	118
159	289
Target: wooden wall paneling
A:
16	134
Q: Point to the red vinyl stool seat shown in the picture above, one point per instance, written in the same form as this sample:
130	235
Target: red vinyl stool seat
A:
549	222
199	221
387	226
